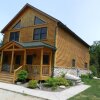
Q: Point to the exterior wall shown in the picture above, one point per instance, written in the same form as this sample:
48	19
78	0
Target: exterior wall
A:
27	27
69	48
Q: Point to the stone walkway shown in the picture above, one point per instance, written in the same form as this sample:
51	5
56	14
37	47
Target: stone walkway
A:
64	95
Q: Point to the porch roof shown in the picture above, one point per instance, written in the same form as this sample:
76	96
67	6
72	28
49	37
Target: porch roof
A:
35	44
31	44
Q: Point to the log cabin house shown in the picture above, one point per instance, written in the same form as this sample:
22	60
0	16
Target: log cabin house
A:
39	43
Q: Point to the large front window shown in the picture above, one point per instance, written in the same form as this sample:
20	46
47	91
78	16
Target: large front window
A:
14	36
40	33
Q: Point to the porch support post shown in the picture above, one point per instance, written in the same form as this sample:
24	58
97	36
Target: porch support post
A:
41	63
50	62
24	57
1	61
12	59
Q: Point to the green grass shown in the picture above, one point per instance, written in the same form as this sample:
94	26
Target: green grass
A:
92	93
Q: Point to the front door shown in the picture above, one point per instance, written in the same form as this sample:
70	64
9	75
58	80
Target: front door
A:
5	65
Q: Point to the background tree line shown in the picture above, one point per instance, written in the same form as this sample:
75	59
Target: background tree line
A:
95	58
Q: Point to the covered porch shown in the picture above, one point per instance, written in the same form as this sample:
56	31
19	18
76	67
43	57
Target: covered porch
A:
36	58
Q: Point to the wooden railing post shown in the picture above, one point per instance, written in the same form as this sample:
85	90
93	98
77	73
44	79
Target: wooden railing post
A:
41	63
12	59
24	57
50	63
1	61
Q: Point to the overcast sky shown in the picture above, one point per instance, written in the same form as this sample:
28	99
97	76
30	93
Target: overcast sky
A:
81	16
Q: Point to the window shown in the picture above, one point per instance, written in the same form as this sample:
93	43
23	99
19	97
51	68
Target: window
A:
86	65
18	25
18	59
14	36
38	21
45	59
73	62
29	59
40	33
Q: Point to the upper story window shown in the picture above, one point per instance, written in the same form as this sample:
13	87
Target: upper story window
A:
40	33
18	25
73	63
38	21
14	36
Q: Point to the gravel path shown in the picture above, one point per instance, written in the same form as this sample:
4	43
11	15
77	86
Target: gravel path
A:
8	95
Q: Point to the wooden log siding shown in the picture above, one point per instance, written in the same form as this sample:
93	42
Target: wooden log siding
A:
69	48
27	27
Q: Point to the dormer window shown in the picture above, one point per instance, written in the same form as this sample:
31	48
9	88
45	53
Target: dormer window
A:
18	25
14	36
38	21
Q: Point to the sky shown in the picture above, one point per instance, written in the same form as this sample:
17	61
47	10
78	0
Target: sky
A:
81	16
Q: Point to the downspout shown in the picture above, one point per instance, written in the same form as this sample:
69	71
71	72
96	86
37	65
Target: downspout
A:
54	51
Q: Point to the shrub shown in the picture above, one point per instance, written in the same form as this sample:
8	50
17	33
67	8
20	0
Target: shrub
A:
70	82
55	82
32	84
86	77
22	75
62	81
51	82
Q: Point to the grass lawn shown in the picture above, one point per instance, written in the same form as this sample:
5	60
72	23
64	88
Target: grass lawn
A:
92	93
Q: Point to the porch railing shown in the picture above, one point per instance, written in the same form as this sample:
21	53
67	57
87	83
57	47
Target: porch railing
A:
33	71
16	71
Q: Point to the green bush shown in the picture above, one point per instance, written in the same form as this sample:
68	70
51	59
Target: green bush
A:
62	81
55	82
94	70
70	82
22	75
32	84
86	77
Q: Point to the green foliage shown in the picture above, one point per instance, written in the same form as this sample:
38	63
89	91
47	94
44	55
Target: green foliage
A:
95	56
70	82
94	70
62	81
86	77
32	84
55	82
22	75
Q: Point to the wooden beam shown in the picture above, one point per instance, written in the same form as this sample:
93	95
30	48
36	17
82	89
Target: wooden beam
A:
24	57
50	63
12	59
41	63
1	61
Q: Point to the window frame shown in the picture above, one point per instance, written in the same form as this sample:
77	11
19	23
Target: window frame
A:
85	65
14	36
40	34
40	19
16	24
73	63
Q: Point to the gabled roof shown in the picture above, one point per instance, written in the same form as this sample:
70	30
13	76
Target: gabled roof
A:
59	23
